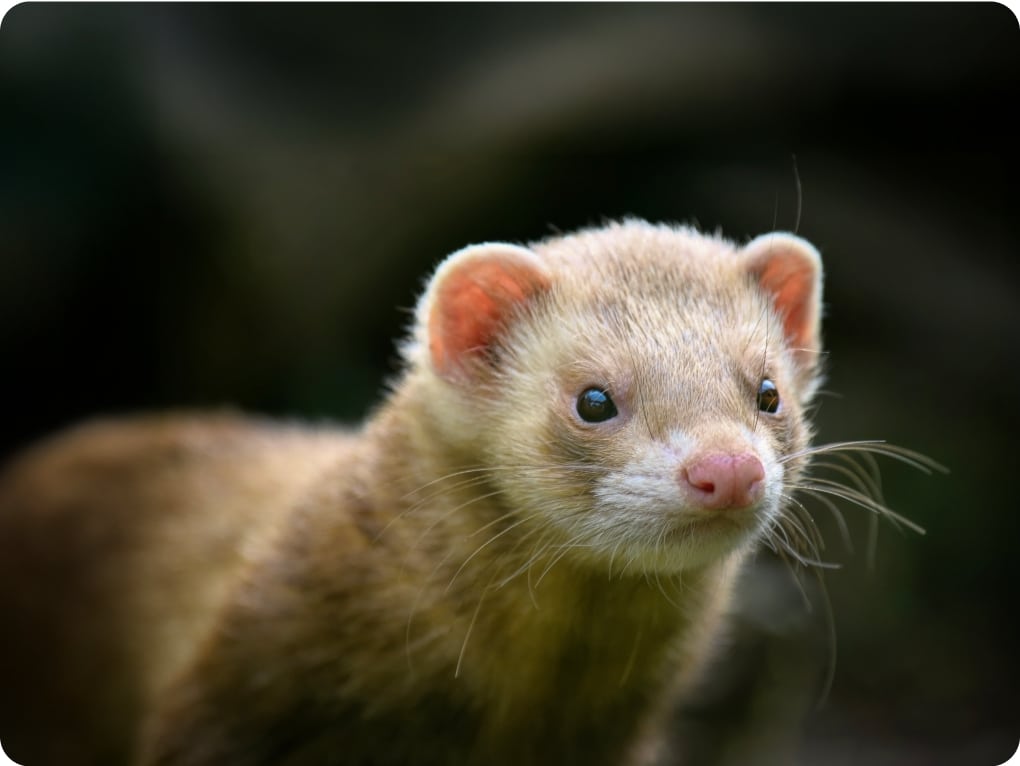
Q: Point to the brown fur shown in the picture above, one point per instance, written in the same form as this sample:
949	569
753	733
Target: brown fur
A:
460	581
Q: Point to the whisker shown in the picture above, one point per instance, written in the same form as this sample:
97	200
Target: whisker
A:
837	514
784	554
565	549
414	607
830	622
914	459
488	542
786	544
865	484
446	477
871	552
440	518
467	635
425	502
835	489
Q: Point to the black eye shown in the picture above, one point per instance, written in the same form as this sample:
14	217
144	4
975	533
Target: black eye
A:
768	396
595	406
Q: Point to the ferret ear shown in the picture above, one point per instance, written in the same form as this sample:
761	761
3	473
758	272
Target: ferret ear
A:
789	269
473	296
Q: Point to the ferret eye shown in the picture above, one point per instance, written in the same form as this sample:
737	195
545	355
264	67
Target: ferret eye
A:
768	396
595	406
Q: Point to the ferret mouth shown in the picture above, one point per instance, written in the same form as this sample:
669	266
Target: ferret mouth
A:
694	541
716	526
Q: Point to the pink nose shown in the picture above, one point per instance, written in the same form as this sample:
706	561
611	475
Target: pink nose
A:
719	481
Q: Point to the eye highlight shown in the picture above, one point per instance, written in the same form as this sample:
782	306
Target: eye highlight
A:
768	397
594	405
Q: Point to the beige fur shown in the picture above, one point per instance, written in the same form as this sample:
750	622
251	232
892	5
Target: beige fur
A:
477	576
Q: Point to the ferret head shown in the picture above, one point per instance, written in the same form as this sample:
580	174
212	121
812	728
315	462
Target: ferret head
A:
634	391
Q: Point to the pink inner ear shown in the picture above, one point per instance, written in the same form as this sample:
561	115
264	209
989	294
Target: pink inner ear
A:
790	279
792	290
472	306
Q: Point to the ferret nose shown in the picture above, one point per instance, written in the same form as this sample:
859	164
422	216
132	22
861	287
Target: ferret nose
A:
720	481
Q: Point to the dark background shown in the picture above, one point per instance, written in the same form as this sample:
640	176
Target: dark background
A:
206	205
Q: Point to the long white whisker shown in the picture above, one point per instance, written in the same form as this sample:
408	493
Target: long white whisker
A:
835	489
877	446
467	634
484	545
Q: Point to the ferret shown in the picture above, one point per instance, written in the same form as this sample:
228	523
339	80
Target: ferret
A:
523	557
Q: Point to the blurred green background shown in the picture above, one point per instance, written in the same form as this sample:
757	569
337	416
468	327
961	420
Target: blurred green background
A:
230	204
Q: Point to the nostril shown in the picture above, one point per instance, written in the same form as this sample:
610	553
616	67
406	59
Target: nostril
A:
704	486
720	481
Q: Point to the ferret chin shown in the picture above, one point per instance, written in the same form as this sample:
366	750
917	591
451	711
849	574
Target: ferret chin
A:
522	557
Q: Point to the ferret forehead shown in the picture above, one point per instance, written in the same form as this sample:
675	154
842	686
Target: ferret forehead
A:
651	279
662	337
641	260
657	306
633	247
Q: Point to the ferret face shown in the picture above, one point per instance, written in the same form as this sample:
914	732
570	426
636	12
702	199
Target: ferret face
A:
635	389
658	441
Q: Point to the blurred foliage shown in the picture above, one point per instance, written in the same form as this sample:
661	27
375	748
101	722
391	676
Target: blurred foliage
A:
202	205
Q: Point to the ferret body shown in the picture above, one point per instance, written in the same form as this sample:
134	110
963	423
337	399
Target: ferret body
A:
526	552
